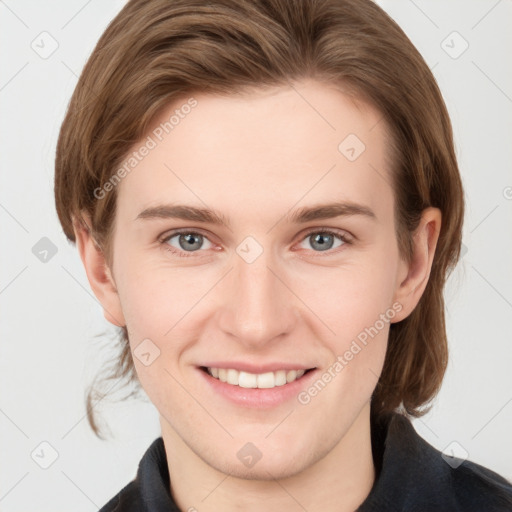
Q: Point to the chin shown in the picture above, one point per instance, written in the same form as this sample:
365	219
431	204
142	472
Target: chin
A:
266	460
263	470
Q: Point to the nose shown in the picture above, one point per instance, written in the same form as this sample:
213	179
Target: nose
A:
258	308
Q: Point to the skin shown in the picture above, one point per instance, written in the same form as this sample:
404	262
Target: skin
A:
262	156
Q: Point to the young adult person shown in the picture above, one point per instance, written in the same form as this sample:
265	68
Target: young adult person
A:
267	203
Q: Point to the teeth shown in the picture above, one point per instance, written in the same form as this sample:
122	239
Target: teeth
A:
251	380
232	377
265	380
291	376
280	378
244	379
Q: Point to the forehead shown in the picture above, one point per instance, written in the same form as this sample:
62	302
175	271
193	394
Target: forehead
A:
262	151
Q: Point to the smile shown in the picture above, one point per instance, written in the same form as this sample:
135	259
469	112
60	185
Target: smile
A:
266	380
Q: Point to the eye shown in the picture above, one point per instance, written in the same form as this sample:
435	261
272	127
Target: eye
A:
186	242
323	240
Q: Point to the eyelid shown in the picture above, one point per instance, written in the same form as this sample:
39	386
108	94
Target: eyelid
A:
179	231
343	233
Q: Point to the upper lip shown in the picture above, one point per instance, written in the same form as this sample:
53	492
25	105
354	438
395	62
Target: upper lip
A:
256	368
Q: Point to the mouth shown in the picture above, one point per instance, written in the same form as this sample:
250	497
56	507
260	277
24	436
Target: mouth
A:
267	380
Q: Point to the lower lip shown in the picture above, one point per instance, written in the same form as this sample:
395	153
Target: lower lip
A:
257	398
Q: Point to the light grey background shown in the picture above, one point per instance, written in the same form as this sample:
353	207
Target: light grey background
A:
49	317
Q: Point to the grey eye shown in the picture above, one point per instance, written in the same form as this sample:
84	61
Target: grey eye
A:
189	242
323	241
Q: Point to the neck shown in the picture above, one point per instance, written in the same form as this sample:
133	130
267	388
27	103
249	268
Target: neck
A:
339	482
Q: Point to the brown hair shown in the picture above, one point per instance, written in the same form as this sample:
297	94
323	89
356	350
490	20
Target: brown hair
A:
155	51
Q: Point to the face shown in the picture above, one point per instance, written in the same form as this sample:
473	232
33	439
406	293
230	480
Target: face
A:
298	304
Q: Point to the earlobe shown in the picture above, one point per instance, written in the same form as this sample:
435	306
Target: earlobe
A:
411	287
98	273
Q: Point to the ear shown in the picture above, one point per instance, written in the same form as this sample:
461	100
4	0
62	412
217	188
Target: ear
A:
99	275
413	277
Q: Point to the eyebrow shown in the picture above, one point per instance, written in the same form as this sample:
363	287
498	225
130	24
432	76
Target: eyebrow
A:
300	216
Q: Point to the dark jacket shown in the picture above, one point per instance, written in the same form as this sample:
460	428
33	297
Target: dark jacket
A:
411	475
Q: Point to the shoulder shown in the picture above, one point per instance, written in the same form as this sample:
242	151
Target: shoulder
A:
476	487
414	475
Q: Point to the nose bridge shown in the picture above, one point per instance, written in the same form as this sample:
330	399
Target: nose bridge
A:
259	307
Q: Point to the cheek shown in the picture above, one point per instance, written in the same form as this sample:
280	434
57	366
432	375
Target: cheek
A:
164	309
350	299
357	305
156	299
359	311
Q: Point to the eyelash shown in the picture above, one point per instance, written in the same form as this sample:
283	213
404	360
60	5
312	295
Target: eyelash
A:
183	254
